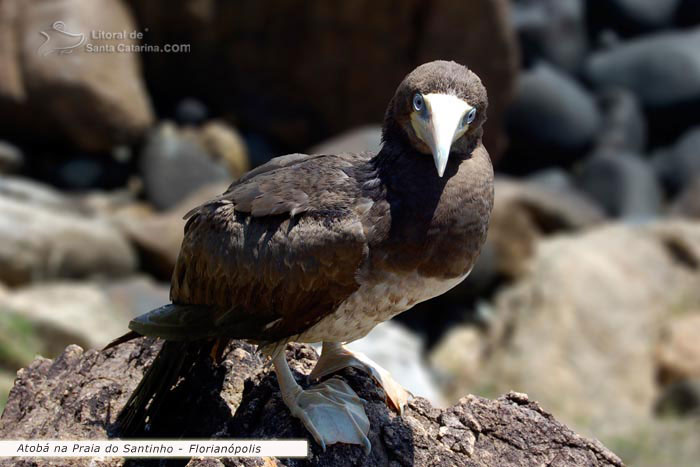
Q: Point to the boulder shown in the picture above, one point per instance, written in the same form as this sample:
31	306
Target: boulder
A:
587	316
226	145
43	237
361	139
157	236
93	100
678	350
623	183
624	125
79	394
68	312
632	17
11	157
176	162
677	165
662	70
687	204
553	30
278	89
551	121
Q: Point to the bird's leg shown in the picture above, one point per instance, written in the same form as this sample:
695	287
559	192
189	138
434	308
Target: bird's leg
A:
331	411
335	357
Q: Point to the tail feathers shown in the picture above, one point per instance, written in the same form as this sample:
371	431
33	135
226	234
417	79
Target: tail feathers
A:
120	340
163	374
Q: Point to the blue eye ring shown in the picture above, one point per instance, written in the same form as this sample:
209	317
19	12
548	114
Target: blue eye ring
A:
418	103
470	116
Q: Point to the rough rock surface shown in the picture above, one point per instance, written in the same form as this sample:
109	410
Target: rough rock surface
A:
79	394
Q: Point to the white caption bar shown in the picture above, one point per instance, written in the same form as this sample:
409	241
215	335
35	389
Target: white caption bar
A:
155	448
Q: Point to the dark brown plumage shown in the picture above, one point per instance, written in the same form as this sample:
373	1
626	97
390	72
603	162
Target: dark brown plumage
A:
323	247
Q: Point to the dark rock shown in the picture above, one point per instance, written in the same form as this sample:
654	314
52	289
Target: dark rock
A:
191	111
242	59
511	430
174	165
688	13
680	398
553	30
631	17
11	158
687	203
679	164
623	183
663	71
624	125
552	120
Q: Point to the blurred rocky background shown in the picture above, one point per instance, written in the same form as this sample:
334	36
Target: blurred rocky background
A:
587	293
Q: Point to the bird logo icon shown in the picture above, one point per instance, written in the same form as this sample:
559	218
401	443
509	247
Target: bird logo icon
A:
58	40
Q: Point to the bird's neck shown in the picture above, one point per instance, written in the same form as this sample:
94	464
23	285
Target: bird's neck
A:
404	169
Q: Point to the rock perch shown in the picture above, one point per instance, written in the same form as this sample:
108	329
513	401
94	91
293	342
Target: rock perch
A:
78	395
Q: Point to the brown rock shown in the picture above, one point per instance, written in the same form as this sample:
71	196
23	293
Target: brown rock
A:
587	315
302	71
524	212
93	100
79	394
225	144
158	236
678	351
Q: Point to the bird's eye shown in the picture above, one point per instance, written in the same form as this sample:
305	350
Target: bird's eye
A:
418	102
470	116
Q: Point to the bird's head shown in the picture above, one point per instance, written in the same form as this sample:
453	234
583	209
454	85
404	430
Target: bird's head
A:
440	107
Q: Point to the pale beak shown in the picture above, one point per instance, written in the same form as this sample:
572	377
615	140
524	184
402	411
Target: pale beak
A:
441	126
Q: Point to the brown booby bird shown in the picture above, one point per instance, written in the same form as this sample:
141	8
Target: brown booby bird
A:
321	248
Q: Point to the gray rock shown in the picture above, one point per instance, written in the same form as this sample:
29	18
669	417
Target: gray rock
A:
624	125
174	165
663	70
552	179
551	120
11	158
242	400
623	183
65	313
679	164
191	111
40	239
361	139
631	17
553	30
